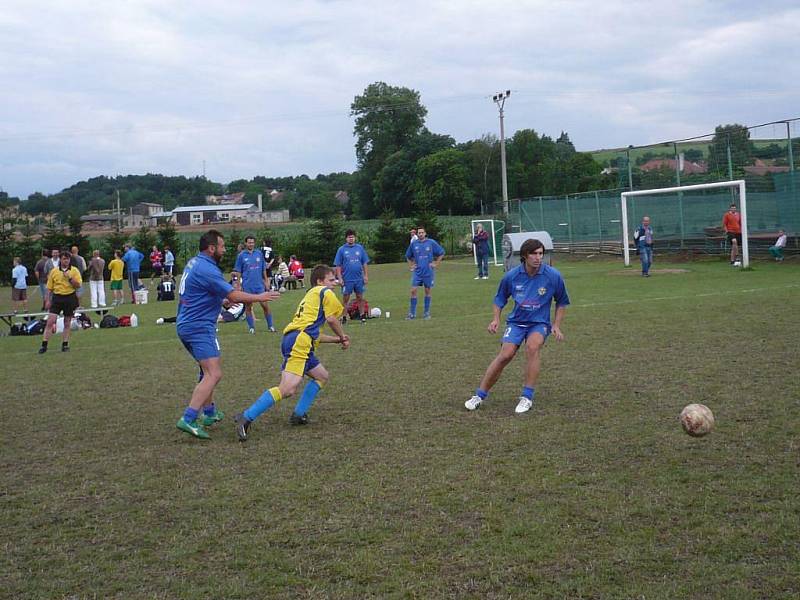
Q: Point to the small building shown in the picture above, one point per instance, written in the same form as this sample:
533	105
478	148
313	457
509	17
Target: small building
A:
232	198
147	209
226	213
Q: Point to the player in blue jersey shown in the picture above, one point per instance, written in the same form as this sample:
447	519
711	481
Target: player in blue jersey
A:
251	267
351	269
300	339
202	290
424	256
534	287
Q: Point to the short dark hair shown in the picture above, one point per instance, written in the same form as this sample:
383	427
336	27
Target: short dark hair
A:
529	246
249	237
210	238
64	251
319	273
349	232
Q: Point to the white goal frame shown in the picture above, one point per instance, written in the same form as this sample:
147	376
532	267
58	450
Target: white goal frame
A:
738	183
492	232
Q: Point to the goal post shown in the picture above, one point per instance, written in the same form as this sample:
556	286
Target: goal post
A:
736	185
496	230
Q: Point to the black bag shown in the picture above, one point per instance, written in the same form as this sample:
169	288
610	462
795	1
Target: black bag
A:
19	329
109	321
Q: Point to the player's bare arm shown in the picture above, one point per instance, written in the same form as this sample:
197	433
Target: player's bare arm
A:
238	297
496	310
560	312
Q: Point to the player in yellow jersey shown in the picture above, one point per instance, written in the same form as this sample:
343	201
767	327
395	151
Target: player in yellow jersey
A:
300	339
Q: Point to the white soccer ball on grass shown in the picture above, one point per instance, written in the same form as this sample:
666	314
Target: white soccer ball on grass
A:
697	420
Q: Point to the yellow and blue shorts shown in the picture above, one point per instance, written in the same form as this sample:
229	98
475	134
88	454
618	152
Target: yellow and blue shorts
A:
297	348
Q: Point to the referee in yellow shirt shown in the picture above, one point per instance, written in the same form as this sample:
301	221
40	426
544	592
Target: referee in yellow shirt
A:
62	283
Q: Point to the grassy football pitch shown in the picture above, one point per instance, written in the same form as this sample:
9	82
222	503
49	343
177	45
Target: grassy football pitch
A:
394	489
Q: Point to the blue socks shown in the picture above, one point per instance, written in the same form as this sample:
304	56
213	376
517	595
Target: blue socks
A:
427	305
481	394
251	322
265	401
412	308
269	320
307	398
210	410
528	392
190	414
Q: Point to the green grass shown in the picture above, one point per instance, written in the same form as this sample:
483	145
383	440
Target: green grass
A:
394	490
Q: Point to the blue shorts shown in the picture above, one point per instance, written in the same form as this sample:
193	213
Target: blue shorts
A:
518	334
426	280
254	289
200	344
297	348
353	286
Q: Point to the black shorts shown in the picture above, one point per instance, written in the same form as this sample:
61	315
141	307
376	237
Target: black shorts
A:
158	271
66	304
734	236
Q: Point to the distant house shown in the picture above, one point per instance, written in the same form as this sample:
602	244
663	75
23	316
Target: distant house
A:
225	213
762	168
146	209
687	167
342	198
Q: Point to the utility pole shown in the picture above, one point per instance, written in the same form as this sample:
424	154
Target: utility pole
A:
119	216
500	100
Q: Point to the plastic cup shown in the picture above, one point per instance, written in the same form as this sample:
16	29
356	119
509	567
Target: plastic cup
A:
388	314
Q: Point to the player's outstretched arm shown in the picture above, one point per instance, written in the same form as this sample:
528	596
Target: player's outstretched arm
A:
238	297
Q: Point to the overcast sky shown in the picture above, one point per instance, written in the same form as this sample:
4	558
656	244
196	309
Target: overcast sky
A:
264	88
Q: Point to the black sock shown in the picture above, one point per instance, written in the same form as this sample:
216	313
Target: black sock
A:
64	344
44	343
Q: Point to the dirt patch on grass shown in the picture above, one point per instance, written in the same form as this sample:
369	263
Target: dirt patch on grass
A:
652	272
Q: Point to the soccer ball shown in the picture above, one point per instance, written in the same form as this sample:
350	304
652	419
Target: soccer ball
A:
375	313
737	263
697	420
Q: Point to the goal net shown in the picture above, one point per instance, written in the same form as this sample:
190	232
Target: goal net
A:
496	230
687	217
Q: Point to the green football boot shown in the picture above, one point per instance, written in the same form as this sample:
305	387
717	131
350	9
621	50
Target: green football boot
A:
212	419
194	428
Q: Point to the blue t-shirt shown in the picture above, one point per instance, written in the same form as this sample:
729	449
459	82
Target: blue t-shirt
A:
532	294
352	260
133	258
19	274
202	290
252	266
424	253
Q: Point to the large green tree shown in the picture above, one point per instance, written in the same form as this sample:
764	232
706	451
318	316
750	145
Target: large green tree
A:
738	138
386	119
442	182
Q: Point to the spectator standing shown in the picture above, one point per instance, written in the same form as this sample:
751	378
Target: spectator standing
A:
78	262
481	243
133	261
41	271
732	226
643	236
157	262
62	283
19	293
413	235
269	257
116	267
169	261
97	284
777	249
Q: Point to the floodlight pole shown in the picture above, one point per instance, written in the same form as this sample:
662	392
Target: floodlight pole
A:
500	100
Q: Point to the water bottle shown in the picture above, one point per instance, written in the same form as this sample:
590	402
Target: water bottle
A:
134	320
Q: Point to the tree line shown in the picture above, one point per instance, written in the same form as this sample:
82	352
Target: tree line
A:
400	163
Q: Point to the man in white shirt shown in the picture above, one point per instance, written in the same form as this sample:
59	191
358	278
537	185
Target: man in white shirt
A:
780	244
19	293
